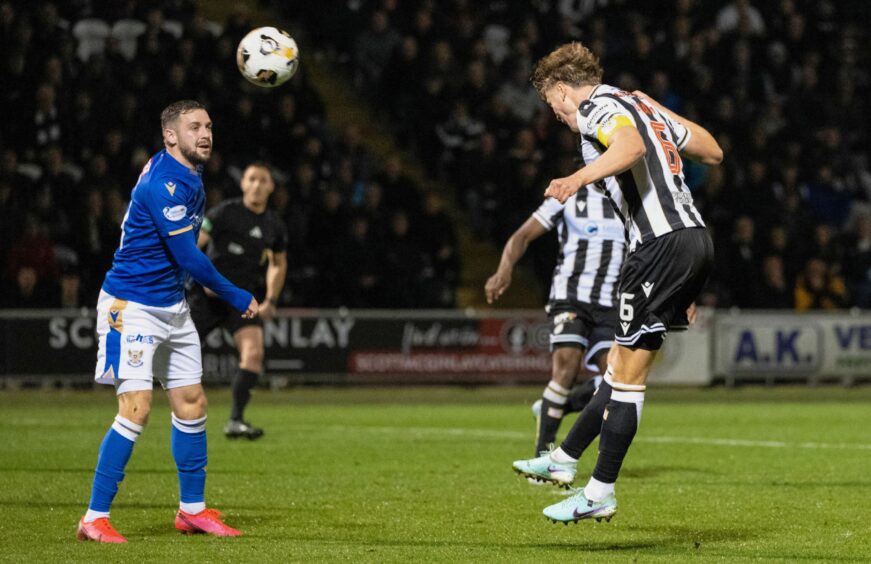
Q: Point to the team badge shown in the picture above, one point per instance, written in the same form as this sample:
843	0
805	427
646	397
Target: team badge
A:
135	358
171	187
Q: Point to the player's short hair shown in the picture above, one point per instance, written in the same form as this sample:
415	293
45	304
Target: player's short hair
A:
571	63
260	164
174	110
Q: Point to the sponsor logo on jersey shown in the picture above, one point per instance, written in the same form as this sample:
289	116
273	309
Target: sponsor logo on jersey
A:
147	339
683	198
582	205
235	249
175	213
135	358
591	228
255	232
625	326
170	186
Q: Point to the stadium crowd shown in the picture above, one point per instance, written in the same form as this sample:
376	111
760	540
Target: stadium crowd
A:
783	85
83	86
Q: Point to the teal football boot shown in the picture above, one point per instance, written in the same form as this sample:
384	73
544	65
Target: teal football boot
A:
577	507
544	469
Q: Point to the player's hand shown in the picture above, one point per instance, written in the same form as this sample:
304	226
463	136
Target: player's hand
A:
562	188
692	313
253	309
496	286
267	310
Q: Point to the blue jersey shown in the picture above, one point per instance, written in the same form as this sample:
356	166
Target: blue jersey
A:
167	200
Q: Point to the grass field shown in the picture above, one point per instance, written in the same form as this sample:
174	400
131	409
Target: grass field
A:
423	474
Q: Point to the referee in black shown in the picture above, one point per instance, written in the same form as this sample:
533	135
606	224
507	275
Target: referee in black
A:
248	243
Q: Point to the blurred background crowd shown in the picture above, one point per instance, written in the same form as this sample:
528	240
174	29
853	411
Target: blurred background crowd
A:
784	86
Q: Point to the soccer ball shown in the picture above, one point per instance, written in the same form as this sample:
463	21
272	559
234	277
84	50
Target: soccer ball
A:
267	56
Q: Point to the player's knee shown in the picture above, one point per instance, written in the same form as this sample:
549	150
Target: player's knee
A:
252	359
191	406
135	406
563	375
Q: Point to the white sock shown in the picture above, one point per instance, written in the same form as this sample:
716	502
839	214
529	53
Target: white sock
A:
192	508
597	491
560	456
92	515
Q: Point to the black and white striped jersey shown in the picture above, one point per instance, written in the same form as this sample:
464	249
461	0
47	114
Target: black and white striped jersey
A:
652	198
592	245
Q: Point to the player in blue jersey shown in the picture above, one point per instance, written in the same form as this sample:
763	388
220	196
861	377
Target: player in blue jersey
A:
145	328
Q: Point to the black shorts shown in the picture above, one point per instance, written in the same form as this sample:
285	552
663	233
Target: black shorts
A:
587	326
658	283
208	313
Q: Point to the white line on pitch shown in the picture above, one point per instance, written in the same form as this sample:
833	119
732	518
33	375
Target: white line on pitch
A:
710	441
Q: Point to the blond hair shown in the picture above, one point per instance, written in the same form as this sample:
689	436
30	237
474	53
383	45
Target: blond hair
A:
571	63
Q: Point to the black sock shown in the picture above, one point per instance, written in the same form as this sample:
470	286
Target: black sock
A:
552	404
589	423
618	430
243	381
580	396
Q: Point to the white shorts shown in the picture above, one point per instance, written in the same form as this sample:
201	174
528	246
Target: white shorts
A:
138	342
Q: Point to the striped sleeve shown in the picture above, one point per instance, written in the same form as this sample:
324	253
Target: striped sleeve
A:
549	213
681	134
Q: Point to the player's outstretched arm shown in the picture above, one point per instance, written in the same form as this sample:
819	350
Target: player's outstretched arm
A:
514	249
276	273
702	146
185	252
625	148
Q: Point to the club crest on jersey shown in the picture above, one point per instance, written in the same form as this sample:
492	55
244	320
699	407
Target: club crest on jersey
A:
134	358
586	107
170	186
255	232
175	213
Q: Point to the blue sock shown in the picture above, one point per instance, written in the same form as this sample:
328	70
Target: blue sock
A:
115	451
189	451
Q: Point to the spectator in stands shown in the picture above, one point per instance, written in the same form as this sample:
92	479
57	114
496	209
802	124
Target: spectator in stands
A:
774	291
857	264
362	267
33	248
743	263
817	288
27	290
404	265
373	49
436	236
400	193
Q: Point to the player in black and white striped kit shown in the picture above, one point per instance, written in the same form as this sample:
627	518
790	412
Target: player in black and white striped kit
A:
639	143
582	300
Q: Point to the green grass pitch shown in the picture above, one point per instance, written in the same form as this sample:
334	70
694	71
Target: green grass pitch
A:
423	474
